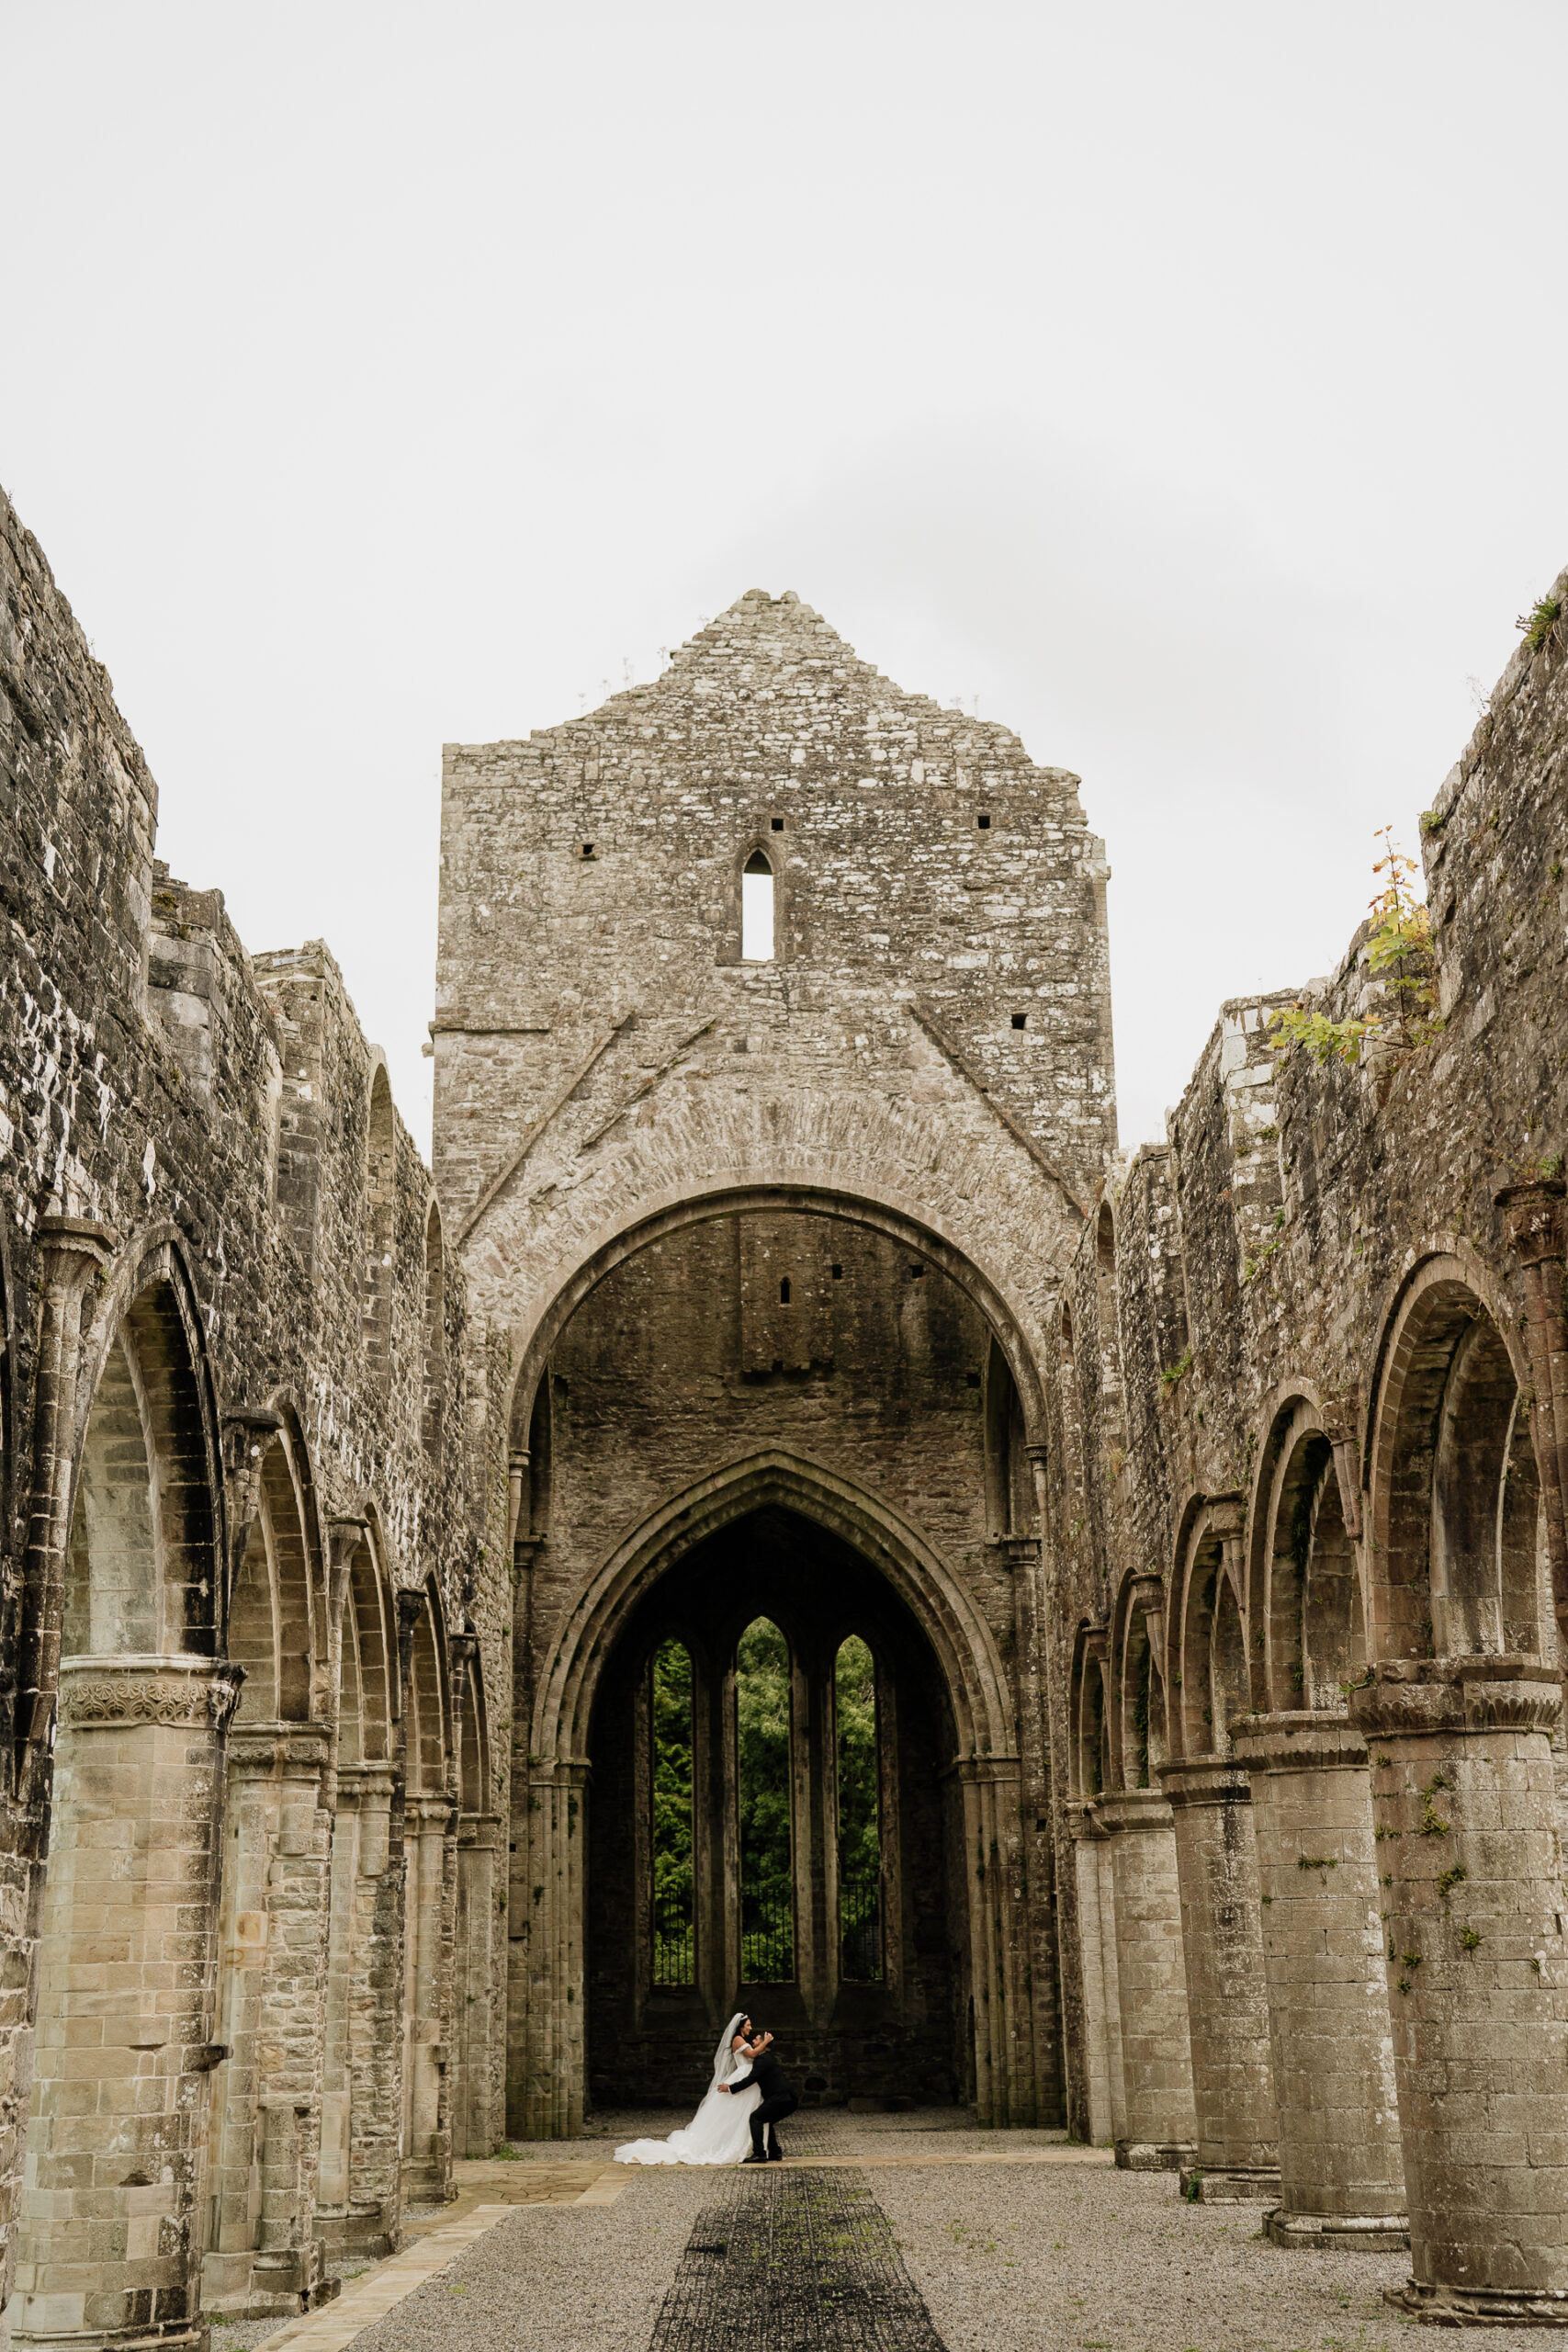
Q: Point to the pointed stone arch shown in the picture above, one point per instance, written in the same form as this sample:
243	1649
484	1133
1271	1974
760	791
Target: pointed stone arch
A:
551	1302
125	1587
546	2056
965	1645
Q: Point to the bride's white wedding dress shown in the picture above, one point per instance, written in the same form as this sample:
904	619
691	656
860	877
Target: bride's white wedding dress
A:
719	2132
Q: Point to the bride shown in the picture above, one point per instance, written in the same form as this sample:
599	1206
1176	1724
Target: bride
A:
719	2132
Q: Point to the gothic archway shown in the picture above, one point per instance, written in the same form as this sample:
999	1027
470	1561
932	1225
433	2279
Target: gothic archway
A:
869	1993
929	1622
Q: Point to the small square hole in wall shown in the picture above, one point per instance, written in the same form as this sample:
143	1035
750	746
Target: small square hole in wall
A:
1020	1020
971	1380
778	824
587	850
984	820
838	1273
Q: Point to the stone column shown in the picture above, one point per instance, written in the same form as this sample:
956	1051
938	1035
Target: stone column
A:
1160	2125
1477	1964
426	2137
111	2235
1341	2182
1004	2044
360	2205
1107	2118
263	2255
479	1843
1237	2155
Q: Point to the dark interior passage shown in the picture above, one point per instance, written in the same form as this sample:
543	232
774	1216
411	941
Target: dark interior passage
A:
770	1823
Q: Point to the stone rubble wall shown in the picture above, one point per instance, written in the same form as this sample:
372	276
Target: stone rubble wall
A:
1335	1315
163	1090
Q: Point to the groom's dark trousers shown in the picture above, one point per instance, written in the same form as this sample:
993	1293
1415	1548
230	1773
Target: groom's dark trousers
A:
777	2101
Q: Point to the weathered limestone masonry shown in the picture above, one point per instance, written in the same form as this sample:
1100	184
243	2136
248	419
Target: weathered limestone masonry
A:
247	1637
1307	1455
766	1232
1205	1516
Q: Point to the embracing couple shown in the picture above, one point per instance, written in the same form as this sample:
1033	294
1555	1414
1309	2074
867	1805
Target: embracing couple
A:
748	2096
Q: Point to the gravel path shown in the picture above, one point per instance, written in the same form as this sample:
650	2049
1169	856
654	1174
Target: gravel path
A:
1011	2257
556	2278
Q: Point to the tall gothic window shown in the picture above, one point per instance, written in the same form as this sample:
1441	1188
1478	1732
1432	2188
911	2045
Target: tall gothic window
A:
860	1836
674	1910
762	1751
757	910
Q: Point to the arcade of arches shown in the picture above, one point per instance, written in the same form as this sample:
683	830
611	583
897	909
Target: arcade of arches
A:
780	1512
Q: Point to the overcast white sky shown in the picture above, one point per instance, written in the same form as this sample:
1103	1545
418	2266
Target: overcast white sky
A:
1183	383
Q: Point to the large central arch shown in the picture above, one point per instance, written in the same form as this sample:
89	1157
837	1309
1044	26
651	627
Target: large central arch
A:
554	1296
546	2026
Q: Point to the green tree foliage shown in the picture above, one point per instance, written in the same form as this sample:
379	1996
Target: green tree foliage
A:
860	1845
673	1781
762	1727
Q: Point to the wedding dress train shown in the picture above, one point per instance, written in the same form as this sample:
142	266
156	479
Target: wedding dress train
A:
719	2132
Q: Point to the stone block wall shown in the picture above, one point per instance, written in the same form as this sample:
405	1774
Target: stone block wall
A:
1337	1317
206	1201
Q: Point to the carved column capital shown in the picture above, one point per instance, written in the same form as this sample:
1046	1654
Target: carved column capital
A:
125	1690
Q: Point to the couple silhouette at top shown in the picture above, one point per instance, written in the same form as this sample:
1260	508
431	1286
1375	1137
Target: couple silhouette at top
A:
750	2095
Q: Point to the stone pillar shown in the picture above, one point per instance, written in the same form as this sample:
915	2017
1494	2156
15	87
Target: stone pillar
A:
1477	1963
360	2200
1004	2042
427	1821
1107	2118
262	2254
1341	2182
473	2123
1237	2155
71	1250
112	2229
1159	2124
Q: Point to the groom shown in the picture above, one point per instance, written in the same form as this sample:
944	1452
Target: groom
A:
777	2100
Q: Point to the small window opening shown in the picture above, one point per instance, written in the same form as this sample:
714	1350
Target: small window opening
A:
778	824
1020	1019
783	1292
587	849
916	1273
838	1273
757	910
971	1380
983	821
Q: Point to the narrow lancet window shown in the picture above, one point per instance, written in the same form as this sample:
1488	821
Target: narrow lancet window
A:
860	1838
762	1749
757	910
674	1910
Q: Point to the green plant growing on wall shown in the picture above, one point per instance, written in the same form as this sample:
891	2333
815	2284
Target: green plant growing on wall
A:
1399	953
1537	625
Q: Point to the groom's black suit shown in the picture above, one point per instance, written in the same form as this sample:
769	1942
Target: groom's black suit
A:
777	2100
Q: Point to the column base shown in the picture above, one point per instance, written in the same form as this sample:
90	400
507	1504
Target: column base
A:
1230	2183
266	2285
1154	2156
373	2230
1337	2232
1477	2306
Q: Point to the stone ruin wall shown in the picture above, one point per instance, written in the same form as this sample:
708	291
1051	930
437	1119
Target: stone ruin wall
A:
187	1126
1310	1244
931	1037
198	1154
